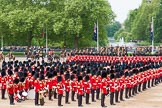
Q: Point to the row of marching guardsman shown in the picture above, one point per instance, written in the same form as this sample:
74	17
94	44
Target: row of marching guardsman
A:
14	86
58	83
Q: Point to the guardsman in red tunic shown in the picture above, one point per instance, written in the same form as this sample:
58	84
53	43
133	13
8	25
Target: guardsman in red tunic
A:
21	86
73	86
112	89
136	82
26	82
93	85
36	88
59	90
10	90
130	85
80	90
98	87
67	87
117	86
144	81
127	83
87	88
16	90
122	86
3	83
50	85
139	82
54	82
103	88
41	89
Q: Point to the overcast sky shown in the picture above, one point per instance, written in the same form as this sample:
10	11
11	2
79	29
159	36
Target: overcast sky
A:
122	7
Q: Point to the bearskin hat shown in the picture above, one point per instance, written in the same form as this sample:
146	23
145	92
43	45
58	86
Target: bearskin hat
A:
72	77
25	74
104	74
88	71
33	73
112	76
59	78
36	75
10	72
22	79
67	76
41	77
87	78
3	72
126	74
80	78
117	75
16	81
49	75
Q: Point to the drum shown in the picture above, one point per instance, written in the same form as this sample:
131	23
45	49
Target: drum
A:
24	94
31	94
18	95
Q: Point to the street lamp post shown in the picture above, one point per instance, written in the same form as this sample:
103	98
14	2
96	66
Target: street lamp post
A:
46	42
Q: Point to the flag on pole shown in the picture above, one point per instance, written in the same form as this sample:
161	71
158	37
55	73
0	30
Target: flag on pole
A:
95	33
152	32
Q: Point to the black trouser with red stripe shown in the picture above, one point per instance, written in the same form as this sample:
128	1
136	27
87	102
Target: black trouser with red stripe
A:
59	99
66	97
11	96
3	93
93	93
50	94
72	95
116	95
87	98
102	100
36	98
97	93
121	94
79	100
111	98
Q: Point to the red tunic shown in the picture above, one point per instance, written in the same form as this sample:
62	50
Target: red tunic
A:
3	81
10	89
49	84
93	83
16	88
112	86
60	88
54	81
67	85
98	81
36	86
26	83
41	85
104	86
31	82
10	79
21	87
121	82
74	86
0	78
87	87
80	88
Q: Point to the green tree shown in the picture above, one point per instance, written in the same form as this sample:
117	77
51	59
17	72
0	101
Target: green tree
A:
112	28
22	21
